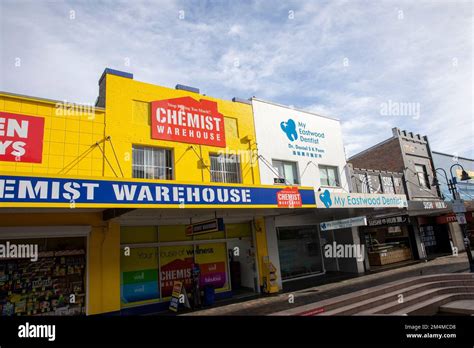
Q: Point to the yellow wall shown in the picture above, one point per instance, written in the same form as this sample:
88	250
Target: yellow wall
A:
103	253
128	122
69	140
104	275
66	138
261	245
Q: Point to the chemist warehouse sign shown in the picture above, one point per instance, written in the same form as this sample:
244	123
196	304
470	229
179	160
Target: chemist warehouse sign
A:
21	138
19	191
187	120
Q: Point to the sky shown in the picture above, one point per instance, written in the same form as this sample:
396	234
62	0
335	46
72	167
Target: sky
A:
373	65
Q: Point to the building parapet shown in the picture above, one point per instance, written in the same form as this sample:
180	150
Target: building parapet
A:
376	181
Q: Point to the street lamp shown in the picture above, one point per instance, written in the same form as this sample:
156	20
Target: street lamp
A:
456	197
448	181
464	175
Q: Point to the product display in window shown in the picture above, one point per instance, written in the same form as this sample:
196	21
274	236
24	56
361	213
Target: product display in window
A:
44	287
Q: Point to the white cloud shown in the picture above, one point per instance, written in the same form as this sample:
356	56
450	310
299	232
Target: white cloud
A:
242	49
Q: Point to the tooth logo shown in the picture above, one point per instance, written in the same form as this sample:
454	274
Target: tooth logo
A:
289	128
325	197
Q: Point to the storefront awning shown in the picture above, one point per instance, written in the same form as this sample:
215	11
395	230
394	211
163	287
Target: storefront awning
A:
70	192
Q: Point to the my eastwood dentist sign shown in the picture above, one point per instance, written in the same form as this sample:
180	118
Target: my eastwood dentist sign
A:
187	120
327	199
59	192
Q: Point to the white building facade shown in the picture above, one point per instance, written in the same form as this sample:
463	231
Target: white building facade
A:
301	148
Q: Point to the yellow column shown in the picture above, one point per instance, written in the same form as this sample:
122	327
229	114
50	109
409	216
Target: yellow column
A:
104	269
261	245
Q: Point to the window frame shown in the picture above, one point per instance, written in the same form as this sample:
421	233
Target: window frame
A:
172	166
336	170
426	178
295	166
238	163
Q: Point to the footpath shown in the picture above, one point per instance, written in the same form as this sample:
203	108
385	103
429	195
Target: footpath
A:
268	304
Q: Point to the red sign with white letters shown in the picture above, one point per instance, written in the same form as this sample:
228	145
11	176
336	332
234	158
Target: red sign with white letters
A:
21	138
187	120
289	197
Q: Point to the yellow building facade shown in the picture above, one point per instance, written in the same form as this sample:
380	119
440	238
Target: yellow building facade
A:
149	187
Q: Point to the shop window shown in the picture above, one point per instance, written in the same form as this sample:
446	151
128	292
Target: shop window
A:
422	175
139	276
152	163
287	170
387	245
176	263
299	250
225	168
43	287
212	261
329	176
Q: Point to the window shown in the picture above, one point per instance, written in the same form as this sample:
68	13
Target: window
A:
225	168
329	176
299	250
422	176
152	163
287	170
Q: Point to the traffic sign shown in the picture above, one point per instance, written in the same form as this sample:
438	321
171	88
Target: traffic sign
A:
458	206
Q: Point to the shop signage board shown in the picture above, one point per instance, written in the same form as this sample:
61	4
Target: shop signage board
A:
344	223
305	139
202	227
445	219
24	191
390	220
289	197
427	205
21	138
187	120
328	199
178	290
